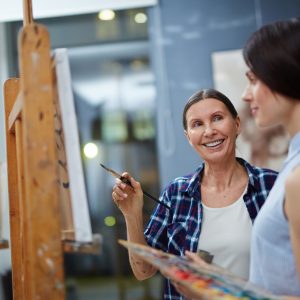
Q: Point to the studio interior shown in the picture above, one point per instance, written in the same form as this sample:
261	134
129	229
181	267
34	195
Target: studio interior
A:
132	66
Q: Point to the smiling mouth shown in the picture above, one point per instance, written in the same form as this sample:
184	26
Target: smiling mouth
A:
214	143
254	110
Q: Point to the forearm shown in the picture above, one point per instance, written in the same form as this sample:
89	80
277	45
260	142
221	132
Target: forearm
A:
141	269
295	240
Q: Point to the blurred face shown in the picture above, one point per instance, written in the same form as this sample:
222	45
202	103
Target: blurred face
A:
211	130
268	108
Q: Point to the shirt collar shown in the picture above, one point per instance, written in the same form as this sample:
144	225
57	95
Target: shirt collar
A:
252	174
192	185
193	181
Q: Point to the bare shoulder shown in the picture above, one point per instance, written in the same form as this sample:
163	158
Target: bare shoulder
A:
292	182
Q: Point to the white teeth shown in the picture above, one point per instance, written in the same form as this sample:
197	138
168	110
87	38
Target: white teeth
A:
213	144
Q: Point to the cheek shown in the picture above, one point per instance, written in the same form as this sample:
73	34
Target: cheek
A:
257	94
262	95
194	138
190	137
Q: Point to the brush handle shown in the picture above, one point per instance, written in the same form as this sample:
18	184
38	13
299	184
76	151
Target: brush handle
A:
156	200
127	181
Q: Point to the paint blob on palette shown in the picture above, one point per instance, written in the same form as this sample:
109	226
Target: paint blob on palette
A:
208	281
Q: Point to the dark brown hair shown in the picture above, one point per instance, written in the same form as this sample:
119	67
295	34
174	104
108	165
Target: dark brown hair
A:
273	54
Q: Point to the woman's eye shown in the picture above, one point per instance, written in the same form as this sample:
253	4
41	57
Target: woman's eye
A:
196	124
217	118
252	79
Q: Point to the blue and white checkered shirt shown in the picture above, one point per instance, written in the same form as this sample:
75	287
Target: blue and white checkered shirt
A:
178	229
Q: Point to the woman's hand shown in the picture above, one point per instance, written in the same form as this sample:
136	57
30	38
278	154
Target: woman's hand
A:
187	291
128	199
195	258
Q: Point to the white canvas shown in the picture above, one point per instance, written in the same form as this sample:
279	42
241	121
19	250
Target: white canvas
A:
79	202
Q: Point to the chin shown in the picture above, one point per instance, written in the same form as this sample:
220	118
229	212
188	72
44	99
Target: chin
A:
262	123
216	158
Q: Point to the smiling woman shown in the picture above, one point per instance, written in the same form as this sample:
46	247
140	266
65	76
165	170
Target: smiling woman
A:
212	208
211	127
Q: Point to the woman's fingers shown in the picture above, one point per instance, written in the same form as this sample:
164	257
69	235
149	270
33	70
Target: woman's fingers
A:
196	258
115	198
135	184
119	193
131	193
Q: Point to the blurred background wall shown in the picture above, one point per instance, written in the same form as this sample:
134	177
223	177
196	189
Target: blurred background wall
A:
184	35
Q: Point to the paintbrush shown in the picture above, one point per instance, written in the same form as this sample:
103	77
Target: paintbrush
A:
126	181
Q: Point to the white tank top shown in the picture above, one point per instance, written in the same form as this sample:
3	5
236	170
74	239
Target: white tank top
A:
226	234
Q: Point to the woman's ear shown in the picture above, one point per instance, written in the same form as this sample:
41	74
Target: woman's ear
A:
238	125
187	137
186	134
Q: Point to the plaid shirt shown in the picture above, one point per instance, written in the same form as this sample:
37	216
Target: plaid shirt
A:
178	229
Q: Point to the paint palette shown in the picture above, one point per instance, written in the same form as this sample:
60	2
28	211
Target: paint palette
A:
207	281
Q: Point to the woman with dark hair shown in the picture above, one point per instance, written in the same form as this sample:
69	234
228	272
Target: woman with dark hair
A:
273	56
273	94
211	209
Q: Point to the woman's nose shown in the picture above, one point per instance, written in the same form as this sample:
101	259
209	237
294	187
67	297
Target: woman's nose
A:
209	130
246	95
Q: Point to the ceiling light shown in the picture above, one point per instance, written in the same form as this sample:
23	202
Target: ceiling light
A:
90	150
106	15
110	221
140	18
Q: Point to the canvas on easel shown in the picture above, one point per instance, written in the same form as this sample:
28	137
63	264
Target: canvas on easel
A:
68	145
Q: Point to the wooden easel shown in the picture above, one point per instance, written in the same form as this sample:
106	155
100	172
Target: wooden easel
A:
36	215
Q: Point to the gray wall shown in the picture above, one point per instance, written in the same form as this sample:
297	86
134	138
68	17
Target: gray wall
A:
3	77
184	33
4	219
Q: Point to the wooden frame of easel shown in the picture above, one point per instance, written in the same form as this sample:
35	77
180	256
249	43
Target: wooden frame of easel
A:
36	212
